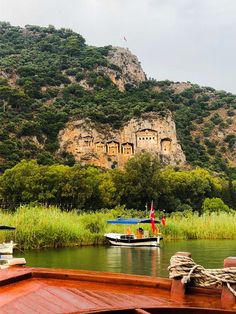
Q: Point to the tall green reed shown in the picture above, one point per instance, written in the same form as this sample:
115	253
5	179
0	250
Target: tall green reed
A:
38	226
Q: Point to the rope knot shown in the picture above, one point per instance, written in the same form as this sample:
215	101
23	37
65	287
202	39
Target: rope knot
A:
184	267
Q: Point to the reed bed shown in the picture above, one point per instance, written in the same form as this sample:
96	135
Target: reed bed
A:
38	226
208	226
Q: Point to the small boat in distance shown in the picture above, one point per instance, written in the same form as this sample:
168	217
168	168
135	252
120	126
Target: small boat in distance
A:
7	247
141	238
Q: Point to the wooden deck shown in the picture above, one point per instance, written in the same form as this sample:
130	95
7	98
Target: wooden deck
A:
38	290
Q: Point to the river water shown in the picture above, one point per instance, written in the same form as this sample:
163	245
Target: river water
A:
142	261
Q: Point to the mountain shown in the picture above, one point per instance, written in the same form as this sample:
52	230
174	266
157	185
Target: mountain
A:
50	78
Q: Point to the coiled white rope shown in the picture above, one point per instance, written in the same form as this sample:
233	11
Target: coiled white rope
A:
185	267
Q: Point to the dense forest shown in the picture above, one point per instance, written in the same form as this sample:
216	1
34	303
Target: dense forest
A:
48	76
142	180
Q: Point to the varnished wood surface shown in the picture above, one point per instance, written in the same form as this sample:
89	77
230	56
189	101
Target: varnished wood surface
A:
38	290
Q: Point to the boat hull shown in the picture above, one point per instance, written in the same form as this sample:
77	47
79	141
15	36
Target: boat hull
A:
114	239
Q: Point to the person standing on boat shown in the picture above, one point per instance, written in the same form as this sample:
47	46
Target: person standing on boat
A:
140	233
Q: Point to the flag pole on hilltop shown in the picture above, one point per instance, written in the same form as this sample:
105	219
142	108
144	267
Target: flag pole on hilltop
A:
125	41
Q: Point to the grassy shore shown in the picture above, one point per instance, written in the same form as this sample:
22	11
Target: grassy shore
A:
209	226
38	227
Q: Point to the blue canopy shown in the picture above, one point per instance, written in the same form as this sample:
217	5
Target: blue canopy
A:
130	221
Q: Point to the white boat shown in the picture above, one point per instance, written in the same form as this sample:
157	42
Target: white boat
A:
120	239
142	238
7	247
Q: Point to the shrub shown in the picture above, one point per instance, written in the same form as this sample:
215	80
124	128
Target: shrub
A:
230	113
215	204
216	119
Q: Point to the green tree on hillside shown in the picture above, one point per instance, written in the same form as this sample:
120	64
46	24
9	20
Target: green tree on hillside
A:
141	181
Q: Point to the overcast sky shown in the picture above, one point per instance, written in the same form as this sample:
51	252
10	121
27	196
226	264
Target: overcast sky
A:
179	40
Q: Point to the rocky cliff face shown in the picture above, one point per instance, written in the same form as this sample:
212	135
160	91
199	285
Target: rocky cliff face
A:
103	146
126	68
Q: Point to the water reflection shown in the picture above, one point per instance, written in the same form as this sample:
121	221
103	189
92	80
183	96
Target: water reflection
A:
134	260
143	261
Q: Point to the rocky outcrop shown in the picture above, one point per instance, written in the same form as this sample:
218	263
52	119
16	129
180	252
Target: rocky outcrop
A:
10	77
92	143
125	68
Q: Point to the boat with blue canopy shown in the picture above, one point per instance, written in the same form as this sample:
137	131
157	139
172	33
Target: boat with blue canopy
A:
130	221
140	238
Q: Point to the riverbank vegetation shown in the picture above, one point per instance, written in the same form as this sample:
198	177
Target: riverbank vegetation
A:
142	180
208	226
39	227
58	205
